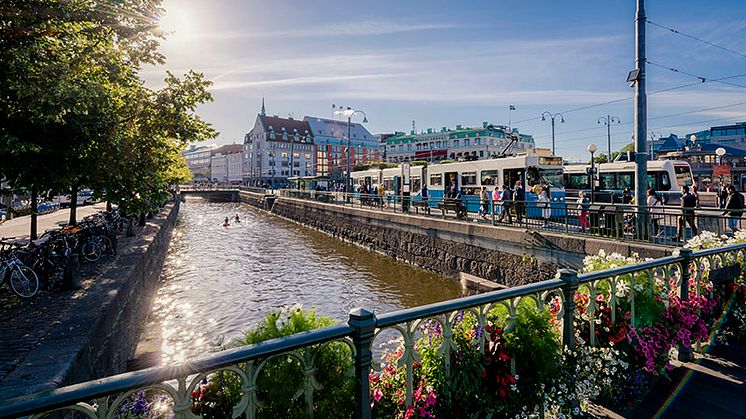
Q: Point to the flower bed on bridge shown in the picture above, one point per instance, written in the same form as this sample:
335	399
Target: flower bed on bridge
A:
513	365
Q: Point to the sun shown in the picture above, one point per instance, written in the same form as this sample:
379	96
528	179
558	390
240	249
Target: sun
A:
175	21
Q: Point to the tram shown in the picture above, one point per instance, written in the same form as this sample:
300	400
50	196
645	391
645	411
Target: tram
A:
665	177
469	177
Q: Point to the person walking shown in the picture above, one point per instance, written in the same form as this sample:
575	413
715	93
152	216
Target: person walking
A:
506	201
655	206
484	200
688	204
722	194
496	196
584	206
545	204
733	208
519	201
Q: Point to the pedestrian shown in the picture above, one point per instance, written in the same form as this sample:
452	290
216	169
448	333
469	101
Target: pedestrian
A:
722	194
484	198
734	208
655	206
688	204
584	205
506	201
626	196
424	193
545	204
519	201
496	195
695	192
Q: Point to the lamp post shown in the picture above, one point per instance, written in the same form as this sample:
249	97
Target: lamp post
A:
592	175
720	151
296	138
608	120
653	136
552	117
350	114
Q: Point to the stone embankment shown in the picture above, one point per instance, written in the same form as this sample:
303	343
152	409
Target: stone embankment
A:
504	254
66	337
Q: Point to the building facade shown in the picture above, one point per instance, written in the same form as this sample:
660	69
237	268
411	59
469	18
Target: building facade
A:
457	144
226	164
199	161
330	139
276	149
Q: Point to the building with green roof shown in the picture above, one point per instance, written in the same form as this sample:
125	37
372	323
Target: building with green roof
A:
456	144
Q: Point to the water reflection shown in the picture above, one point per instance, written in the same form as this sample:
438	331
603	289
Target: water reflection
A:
218	281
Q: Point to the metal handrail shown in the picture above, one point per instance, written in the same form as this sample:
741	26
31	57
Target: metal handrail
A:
359	329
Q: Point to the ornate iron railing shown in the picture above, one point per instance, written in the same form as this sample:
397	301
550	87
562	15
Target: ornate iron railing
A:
100	398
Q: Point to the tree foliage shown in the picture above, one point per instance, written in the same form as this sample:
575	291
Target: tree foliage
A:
74	111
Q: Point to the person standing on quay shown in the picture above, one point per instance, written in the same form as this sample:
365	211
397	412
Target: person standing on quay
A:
733	208
584	205
496	196
656	211
507	203
688	204
519	200
484	198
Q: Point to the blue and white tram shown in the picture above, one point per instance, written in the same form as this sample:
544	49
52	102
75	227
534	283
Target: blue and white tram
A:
391	179
469	177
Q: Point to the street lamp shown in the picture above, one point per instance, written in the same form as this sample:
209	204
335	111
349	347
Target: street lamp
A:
653	136
592	149
720	151
608	120
350	113
552	116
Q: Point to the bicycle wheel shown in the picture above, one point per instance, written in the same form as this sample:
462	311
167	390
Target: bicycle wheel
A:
91	251
107	246
24	281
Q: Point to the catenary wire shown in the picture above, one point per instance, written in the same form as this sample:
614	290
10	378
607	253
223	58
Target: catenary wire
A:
712	44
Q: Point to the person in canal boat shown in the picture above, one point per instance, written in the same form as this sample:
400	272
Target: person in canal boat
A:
237	218
226	223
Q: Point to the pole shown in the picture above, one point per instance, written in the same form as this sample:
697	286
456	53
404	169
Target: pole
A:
608	136
349	124
640	120
593	180
553	135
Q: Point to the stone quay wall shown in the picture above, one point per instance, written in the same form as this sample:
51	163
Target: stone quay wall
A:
100	333
507	255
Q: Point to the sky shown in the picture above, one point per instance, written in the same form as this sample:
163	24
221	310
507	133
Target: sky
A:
447	63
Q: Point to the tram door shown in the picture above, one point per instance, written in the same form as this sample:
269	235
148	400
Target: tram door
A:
451	179
511	176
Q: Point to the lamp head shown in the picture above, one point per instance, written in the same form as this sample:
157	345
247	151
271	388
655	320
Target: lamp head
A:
543	118
720	151
562	119
592	148
693	138
365	119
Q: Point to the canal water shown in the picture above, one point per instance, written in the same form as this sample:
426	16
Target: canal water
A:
218	281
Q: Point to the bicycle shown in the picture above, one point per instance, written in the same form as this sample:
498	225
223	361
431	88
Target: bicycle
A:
22	280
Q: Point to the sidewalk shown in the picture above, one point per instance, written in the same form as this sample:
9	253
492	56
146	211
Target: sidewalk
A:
20	228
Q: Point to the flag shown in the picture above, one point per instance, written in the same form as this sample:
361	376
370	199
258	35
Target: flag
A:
512	108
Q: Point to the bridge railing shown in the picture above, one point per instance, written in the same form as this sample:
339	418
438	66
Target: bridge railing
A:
661	225
209	187
102	398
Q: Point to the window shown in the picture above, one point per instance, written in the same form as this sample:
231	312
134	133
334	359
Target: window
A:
576	181
489	177
416	183
455	143
436	180
296	155
308	156
469	178
467	142
284	154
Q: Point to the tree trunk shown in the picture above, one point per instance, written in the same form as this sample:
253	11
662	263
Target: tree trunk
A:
141	222
130	226
73	206
108	205
34	214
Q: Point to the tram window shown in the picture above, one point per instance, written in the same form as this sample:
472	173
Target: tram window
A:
436	180
468	178
683	175
576	181
416	183
532	176
625	180
489	177
607	181
388	184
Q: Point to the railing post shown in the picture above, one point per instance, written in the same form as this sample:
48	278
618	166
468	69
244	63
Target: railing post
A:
364	323
570	287
685	353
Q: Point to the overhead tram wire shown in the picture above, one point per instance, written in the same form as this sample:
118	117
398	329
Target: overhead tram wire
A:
712	44
702	79
595	127
668	89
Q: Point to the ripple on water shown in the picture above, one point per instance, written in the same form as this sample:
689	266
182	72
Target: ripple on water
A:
218	281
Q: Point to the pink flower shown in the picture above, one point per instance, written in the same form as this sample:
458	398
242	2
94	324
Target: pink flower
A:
377	394
430	401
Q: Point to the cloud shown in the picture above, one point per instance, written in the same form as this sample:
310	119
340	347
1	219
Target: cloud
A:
364	28
295	81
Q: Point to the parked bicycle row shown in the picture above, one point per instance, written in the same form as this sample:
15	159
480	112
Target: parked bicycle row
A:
52	260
